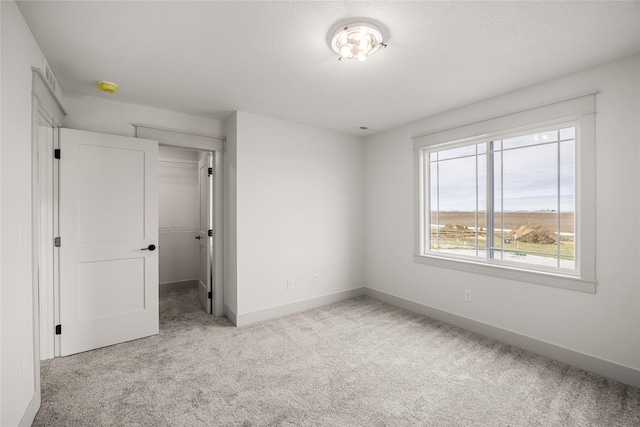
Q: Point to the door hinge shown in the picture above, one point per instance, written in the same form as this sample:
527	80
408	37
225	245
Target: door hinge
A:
210	233
56	153
58	329
210	171
210	295
56	242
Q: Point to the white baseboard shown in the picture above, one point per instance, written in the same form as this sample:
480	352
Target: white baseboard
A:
31	411
295	307
171	286
231	315
624	374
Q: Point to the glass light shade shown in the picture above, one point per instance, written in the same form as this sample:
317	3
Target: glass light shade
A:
356	40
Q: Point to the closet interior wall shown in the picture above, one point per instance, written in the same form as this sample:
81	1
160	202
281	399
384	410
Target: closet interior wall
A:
178	217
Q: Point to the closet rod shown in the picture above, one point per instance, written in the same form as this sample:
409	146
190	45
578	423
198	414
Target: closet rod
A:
179	162
177	230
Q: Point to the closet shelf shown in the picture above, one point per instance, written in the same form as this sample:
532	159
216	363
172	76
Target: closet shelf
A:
177	229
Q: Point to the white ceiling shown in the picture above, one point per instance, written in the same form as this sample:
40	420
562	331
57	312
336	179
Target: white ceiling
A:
210	58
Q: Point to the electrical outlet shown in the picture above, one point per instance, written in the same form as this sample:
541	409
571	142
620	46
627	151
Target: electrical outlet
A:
316	278
467	295
289	283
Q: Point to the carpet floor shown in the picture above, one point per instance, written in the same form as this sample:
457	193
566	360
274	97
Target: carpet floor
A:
359	362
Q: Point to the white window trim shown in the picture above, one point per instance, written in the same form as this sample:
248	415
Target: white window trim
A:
581	109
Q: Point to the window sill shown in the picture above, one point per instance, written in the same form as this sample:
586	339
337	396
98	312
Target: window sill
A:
505	272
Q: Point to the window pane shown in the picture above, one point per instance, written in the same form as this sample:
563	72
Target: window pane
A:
481	225
531	179
567	204
434	224
454	153
498	234
567	133
532	139
530	203
455	222
567	176
457	184
456	204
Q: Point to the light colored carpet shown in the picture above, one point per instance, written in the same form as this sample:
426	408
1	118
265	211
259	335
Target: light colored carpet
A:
359	362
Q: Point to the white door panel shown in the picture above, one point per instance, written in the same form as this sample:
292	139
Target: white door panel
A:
117	211
108	215
110	288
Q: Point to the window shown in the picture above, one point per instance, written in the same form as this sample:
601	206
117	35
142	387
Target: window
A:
515	204
509	199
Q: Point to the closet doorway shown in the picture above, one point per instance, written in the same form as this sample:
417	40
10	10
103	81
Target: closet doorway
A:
185	196
183	156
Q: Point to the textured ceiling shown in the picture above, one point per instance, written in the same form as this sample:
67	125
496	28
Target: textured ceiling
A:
210	58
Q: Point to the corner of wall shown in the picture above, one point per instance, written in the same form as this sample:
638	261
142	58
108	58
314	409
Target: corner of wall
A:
230	217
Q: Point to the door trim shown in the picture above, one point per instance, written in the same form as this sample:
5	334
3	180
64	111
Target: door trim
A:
206	144
218	239
218	225
44	106
180	139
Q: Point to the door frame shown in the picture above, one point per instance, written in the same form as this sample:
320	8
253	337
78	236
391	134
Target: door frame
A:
47	107
206	144
204	241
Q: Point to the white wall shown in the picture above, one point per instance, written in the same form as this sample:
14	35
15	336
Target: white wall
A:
20	397
178	215
300	198
605	325
230	221
99	114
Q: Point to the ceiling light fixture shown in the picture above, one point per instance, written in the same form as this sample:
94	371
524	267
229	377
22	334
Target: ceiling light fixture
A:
108	87
357	40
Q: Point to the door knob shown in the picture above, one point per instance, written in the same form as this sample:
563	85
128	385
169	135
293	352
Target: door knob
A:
149	248
197	237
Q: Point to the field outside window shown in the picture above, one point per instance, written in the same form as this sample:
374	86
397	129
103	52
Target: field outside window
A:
504	200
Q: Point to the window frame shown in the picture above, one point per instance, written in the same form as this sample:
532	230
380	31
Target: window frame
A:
578	111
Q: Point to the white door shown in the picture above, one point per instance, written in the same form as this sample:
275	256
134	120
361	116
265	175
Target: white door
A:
108	213
205	178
